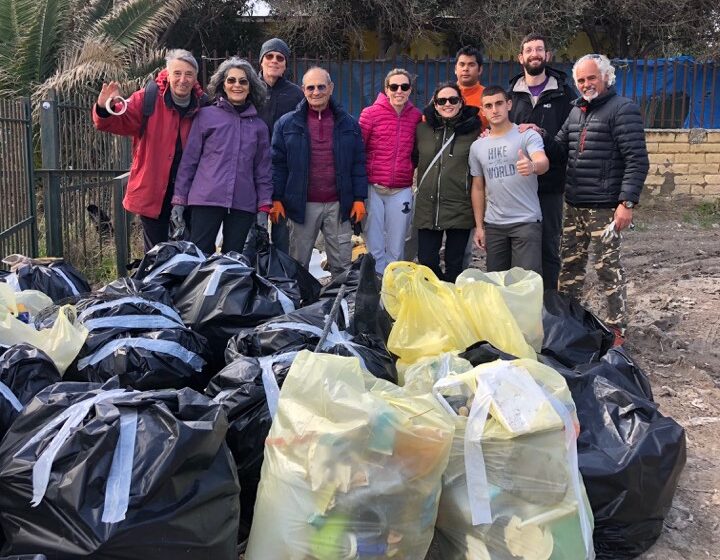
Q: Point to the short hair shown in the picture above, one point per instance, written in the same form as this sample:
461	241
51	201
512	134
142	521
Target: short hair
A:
469	50
181	54
327	74
258	89
534	37
398	72
444	85
606	69
495	90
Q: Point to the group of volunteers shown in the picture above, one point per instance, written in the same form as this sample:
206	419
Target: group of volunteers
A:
534	175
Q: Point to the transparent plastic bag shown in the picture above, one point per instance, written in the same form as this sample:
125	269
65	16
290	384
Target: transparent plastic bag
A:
512	487
420	377
352	467
61	342
522	291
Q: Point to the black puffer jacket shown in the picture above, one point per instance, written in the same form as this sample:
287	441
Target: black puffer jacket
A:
549	113
607	156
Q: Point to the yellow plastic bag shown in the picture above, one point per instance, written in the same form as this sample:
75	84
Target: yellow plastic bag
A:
61	343
428	320
512	487
32	300
352	463
522	291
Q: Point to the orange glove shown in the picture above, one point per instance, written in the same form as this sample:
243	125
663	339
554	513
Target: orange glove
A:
277	211
358	212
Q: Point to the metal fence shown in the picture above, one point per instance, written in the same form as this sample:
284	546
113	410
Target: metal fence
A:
17	192
672	92
82	196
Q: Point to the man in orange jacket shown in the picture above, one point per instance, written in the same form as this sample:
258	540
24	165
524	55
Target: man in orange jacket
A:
158	138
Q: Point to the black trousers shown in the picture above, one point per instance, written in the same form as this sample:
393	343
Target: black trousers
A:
429	244
551	205
157	230
513	245
206	221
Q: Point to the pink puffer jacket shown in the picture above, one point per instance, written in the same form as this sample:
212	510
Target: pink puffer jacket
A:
389	140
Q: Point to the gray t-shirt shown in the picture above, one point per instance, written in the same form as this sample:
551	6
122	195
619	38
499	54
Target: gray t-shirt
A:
511	198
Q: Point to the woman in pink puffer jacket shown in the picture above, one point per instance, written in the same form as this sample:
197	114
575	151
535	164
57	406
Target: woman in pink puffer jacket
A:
388	129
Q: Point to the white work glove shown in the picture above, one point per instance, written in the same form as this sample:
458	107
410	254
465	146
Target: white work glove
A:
177	220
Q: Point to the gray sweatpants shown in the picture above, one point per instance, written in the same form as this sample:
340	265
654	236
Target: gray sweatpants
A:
389	215
325	217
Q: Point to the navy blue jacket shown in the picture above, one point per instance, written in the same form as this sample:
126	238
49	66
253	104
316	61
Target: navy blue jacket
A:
291	159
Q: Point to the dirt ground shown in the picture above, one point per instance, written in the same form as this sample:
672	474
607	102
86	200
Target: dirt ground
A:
673	264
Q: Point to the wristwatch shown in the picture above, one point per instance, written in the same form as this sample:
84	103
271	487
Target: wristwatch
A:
628	204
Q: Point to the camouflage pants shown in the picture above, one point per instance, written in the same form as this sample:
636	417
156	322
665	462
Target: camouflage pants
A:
583	228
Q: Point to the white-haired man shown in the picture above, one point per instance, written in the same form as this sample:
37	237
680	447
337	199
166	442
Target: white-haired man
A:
158	119
604	138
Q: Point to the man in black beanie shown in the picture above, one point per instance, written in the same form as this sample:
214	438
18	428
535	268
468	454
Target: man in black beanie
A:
282	97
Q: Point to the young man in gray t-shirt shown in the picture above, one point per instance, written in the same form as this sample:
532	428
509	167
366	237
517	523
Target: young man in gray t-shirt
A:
504	166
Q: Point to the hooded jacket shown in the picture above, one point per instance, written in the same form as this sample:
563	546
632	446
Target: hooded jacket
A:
153	152
549	113
226	161
607	156
389	140
291	161
443	197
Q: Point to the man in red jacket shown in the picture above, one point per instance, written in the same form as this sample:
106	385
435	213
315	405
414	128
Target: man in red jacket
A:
158	139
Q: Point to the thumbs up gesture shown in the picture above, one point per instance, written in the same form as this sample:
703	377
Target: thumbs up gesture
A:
524	165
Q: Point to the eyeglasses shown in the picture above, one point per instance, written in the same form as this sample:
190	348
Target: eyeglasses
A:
454	100
319	87
241	81
273	56
395	87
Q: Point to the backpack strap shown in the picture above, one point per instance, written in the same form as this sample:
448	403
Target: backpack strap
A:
151	93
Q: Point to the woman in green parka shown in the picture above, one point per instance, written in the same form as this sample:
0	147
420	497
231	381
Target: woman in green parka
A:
442	204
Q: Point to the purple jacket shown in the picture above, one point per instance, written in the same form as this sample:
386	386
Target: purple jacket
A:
226	161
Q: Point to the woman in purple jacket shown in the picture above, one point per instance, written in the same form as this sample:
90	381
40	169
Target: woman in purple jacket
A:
224	175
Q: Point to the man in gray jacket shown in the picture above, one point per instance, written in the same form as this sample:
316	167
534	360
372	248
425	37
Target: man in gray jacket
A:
604	138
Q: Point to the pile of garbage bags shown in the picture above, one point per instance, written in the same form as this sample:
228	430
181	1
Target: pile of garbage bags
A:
213	402
54	277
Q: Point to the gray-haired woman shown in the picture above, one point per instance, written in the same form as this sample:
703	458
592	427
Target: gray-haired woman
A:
224	176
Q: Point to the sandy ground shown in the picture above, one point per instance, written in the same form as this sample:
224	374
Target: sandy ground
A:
673	265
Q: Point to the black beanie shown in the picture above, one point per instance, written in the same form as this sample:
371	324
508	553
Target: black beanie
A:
275	45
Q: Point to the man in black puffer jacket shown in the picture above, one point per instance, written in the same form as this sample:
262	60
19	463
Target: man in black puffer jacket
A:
541	101
604	138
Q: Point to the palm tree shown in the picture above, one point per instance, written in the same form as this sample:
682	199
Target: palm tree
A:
71	44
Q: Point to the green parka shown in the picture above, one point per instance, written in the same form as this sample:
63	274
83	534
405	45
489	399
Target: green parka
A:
443	198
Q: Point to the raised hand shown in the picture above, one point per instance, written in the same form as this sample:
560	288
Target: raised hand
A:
108	91
524	164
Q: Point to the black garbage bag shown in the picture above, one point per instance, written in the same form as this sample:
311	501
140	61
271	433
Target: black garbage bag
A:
133	287
302	329
25	557
24	372
483	352
224	295
58	279
573	335
287	274
136	475
241	389
141	341
622	362
629	454
168	264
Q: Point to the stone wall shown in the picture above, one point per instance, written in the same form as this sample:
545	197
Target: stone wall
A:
683	162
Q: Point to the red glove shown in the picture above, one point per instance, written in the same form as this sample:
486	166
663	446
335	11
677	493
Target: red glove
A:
277	211
358	212
265	208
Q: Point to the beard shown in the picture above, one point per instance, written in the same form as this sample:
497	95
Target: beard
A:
534	70
589	96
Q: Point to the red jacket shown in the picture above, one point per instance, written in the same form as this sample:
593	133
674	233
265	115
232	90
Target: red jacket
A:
153	153
389	141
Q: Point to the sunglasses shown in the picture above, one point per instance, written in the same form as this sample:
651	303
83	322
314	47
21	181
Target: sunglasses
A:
454	100
273	56
395	87
319	87
242	81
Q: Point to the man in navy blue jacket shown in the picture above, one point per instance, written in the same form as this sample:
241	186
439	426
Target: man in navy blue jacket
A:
319	177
